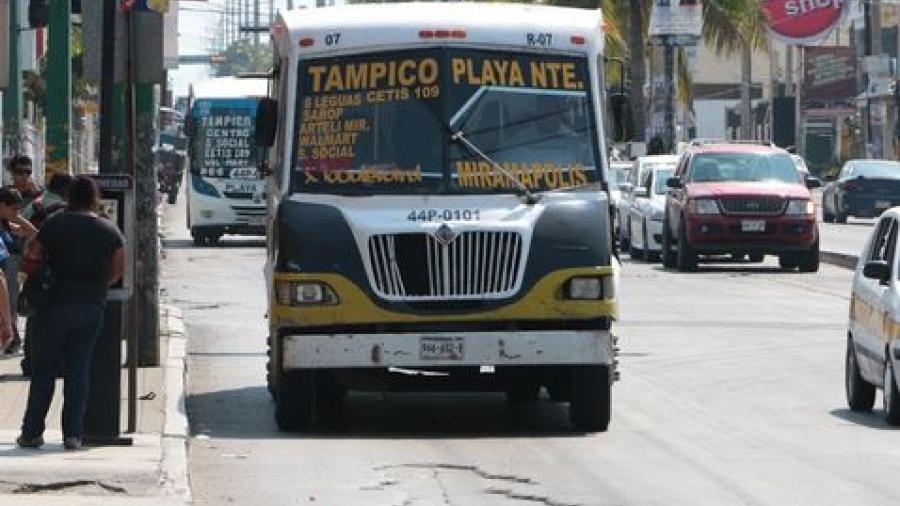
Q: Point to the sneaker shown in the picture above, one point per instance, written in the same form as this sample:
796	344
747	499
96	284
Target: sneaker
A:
13	347
29	442
72	443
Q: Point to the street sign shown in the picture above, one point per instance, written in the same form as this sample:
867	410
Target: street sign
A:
676	18
804	22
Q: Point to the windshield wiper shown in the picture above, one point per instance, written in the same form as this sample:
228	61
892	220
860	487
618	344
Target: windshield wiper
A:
530	198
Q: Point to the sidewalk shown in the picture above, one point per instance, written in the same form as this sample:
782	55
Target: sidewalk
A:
153	471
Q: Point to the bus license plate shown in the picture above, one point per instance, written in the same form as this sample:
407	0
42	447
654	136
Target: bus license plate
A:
442	348
753	226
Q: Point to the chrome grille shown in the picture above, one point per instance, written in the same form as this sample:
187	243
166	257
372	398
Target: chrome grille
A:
419	266
753	205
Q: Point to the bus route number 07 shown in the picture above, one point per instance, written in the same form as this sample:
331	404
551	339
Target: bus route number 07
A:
332	39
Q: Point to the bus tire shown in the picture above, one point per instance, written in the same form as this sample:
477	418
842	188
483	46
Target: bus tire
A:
591	406
295	400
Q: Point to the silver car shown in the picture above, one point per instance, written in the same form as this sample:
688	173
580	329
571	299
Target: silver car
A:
645	215
642	168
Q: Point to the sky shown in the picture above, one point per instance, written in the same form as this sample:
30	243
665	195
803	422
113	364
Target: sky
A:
198	21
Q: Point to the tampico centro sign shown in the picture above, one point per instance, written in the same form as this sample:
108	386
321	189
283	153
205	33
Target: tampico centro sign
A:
804	21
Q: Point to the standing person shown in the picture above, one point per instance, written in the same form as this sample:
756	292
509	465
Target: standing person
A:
14	231
22	181
51	201
85	253
10	204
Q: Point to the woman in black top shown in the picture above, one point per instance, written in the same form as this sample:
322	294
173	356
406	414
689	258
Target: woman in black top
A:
85	253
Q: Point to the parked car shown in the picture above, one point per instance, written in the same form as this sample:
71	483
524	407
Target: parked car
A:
645	216
642	167
873	346
739	199
863	188
619	174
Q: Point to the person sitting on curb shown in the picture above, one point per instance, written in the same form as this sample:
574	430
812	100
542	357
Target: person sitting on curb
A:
85	254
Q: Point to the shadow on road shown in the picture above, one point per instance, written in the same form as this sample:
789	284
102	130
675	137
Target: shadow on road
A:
225	243
247	413
740	269
873	420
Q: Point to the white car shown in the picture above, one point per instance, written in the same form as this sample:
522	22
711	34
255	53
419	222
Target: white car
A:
646	213
619	174
641	168
873	342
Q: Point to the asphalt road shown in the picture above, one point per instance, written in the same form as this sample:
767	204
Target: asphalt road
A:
731	393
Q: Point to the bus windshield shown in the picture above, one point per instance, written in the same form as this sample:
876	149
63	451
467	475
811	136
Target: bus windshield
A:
223	142
391	122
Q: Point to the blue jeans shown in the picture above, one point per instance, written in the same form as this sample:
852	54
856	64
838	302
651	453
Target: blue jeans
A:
66	336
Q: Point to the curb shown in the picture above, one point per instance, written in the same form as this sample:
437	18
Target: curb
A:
839	259
174	466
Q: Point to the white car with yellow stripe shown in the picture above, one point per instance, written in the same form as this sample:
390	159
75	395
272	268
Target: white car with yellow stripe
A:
873	345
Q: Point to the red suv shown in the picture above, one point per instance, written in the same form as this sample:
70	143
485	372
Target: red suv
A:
739	199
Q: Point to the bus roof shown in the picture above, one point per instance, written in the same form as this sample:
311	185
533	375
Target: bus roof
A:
230	87
358	27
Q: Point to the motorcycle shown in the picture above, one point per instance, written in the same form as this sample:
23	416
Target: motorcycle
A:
169	171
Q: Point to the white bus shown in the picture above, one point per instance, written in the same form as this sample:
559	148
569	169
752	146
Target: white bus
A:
226	194
439	215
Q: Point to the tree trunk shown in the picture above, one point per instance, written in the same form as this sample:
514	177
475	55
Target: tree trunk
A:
637	70
746	105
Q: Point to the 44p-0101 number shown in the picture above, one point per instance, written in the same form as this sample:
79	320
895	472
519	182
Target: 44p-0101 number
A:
444	215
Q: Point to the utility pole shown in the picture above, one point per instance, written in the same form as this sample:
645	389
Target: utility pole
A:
59	87
669	114
12	98
746	85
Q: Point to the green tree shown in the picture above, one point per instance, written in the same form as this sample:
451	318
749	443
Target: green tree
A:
732	27
243	56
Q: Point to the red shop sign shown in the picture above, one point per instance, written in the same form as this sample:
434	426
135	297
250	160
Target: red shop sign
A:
803	21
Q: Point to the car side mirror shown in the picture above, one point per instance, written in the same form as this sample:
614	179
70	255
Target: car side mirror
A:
266	122
641	192
673	182
877	269
813	182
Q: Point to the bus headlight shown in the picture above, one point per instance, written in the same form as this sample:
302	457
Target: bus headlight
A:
584	288
303	293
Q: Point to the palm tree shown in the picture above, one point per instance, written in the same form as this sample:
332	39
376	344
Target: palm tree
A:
737	26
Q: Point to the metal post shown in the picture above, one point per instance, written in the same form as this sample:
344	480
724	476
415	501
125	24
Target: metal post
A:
256	22
12	98
669	115
746	99
59	87
102	417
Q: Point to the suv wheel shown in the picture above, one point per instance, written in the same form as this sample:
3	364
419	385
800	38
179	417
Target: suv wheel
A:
808	261
668	256
860	393
891	395
686	258
787	261
590	407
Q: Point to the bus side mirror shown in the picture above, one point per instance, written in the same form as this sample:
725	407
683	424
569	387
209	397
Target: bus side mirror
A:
620	111
266	122
189	126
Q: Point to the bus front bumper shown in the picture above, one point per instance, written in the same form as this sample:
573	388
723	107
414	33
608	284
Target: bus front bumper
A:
442	349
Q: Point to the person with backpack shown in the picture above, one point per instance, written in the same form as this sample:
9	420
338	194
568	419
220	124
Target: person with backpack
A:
52	201
85	255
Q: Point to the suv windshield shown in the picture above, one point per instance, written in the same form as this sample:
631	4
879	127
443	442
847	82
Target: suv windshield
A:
886	170
384	123
743	167
222	144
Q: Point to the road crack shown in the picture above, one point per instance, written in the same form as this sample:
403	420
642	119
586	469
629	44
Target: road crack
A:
510	478
527	497
56	486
